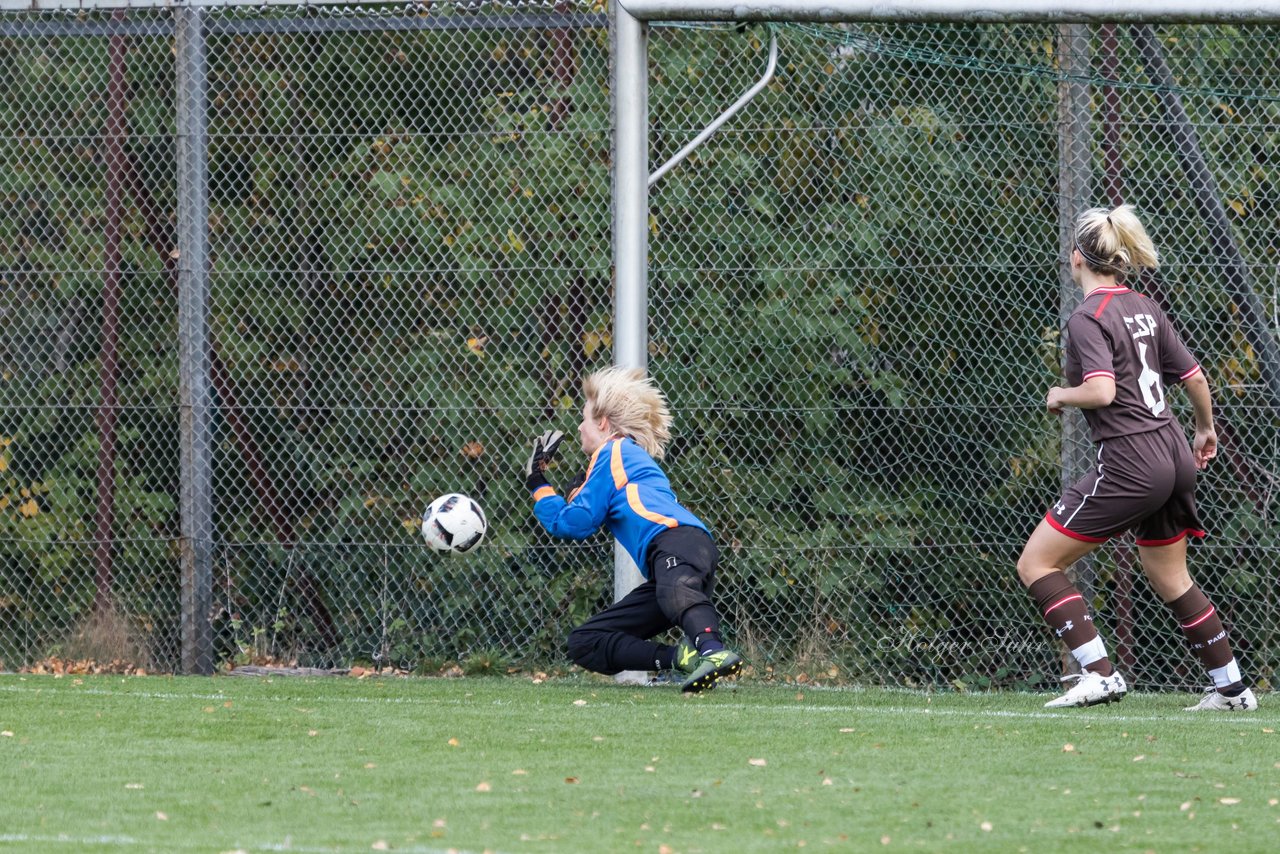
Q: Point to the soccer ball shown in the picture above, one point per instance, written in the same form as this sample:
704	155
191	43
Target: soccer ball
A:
454	523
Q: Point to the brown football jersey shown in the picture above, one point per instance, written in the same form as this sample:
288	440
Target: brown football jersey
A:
1124	335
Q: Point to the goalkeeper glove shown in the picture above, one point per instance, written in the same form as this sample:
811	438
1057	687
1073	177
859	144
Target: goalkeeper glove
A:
544	450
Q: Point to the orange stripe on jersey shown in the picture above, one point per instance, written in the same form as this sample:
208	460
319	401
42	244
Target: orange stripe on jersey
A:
633	499
542	492
1102	307
615	465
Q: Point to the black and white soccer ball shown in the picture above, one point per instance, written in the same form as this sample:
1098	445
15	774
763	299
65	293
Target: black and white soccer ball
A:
454	523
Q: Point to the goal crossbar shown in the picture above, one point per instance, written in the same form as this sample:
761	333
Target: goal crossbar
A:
958	11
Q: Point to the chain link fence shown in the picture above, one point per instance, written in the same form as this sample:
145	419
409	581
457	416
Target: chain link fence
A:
854	309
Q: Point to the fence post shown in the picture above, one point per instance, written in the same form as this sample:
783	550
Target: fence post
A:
109	368
194	383
630	97
1074	191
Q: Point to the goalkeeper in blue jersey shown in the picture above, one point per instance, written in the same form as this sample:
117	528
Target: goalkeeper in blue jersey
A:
625	427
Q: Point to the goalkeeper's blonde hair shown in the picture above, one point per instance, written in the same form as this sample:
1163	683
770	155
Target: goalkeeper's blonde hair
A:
633	404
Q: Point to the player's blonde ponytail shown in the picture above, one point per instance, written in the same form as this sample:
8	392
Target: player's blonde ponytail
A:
634	406
1114	242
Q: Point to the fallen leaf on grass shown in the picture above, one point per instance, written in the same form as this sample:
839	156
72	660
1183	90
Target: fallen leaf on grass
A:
1068	748
759	763
1229	801
986	826
1139	757
453	742
6	734
380	845
161	817
579	702
571	780
519	772
133	785
483	787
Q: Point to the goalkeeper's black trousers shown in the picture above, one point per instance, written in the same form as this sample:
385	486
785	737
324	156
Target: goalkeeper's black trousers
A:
681	566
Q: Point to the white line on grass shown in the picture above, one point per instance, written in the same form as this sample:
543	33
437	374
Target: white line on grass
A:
975	715
193	845
1079	715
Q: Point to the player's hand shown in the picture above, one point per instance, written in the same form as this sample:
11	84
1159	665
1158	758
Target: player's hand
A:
1205	447
544	451
1053	400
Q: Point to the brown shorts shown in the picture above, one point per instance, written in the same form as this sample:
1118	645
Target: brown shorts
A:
1145	482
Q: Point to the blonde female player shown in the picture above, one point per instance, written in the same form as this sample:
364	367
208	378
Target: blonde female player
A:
625	428
1122	355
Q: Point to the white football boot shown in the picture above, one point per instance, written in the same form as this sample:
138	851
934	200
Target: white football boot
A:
1090	690
1215	702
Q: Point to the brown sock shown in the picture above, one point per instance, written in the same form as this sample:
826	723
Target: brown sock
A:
1063	608
1200	622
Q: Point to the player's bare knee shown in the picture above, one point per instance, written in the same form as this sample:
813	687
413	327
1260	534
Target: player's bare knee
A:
1031	570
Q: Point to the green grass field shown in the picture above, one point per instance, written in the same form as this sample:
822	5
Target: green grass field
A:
285	764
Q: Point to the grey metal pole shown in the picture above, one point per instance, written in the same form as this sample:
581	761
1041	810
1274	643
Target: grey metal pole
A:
630	84
109	367
1075	189
630	191
194	364
719	120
